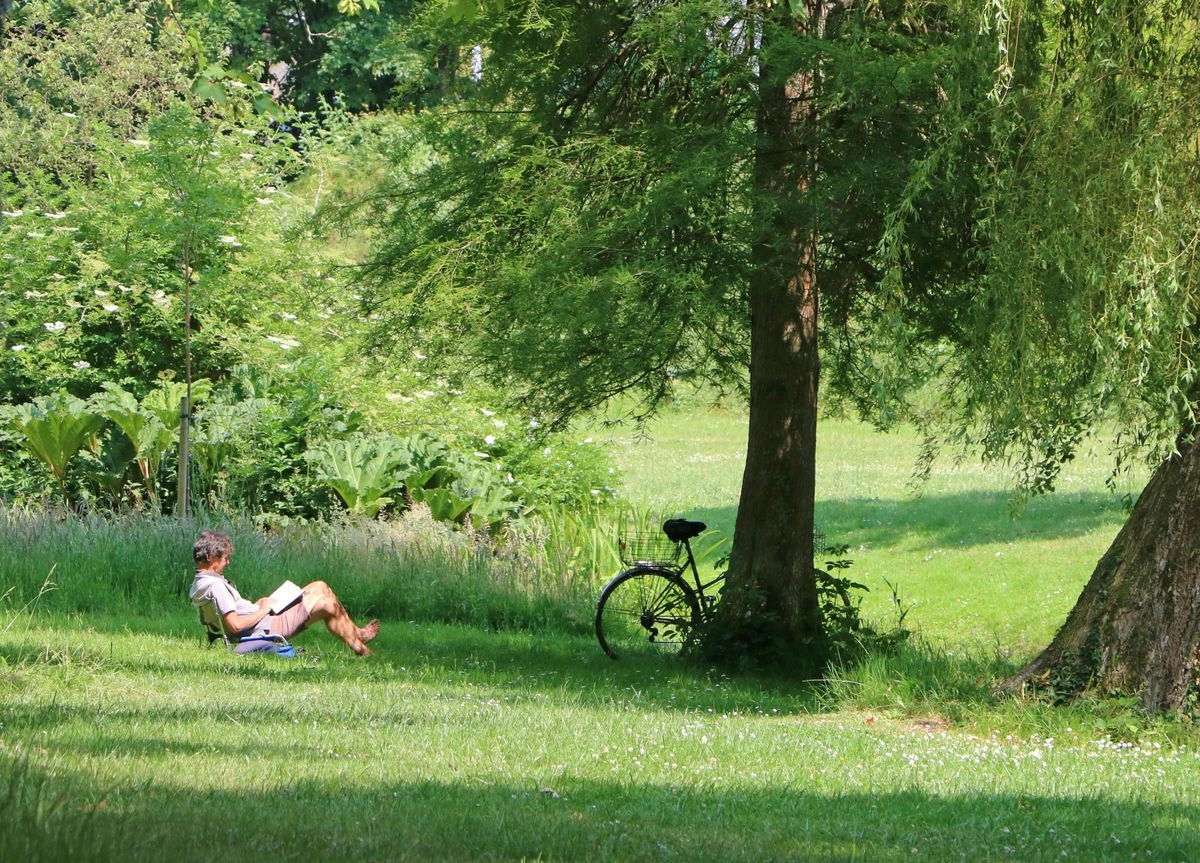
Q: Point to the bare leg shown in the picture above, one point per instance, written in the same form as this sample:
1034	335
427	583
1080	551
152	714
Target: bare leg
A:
322	604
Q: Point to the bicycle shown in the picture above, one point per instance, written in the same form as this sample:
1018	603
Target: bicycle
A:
651	602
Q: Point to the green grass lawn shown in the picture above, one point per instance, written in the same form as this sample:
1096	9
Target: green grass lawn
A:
124	737
130	740
971	569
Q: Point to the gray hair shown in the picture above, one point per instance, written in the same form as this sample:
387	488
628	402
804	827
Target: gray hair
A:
211	546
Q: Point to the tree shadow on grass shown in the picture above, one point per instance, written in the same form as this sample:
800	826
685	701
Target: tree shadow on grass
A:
949	520
330	815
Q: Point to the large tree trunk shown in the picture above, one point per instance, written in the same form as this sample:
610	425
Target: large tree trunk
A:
1136	626
769	609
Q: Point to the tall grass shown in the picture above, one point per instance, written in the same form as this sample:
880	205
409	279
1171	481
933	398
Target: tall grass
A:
541	574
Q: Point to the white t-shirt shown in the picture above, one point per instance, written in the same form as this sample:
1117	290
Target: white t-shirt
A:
209	586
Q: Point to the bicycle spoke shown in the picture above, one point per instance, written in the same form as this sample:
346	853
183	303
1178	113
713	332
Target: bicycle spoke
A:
645	609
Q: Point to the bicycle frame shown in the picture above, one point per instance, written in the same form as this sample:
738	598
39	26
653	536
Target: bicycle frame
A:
706	601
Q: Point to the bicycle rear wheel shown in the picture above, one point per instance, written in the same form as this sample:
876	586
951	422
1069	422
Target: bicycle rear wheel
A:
644	610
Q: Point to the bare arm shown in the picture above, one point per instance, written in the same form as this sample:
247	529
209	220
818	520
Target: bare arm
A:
239	623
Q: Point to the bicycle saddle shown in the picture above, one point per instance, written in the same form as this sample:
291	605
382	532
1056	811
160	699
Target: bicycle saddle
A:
679	529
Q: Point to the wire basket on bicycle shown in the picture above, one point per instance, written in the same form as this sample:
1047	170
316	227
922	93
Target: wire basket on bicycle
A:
648	548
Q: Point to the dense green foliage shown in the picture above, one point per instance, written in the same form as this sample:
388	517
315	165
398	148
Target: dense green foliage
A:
1085	313
317	53
190	194
97	249
589	221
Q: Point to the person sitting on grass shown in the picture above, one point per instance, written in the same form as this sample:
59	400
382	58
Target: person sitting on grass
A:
241	618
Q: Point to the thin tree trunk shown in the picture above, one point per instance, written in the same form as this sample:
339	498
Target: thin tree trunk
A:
769	606
1136	627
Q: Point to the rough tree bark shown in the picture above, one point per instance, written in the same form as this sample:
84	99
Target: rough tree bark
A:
1136	627
769	606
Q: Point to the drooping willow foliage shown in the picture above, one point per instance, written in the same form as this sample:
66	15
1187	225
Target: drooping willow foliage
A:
1085	315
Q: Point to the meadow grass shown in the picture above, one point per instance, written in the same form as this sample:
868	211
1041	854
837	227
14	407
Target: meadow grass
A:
972	568
488	724
125	738
411	567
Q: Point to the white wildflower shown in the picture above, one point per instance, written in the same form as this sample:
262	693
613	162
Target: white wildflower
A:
534	424
109	307
508	478
82	364
547	451
17	348
285	344
482	455
490	439
287	316
68	115
229	240
55	326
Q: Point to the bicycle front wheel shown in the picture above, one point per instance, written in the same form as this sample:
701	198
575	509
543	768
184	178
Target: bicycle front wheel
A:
645	610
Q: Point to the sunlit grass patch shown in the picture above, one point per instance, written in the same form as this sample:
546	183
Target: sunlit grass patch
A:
966	562
454	743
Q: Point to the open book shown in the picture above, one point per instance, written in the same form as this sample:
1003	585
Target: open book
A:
285	596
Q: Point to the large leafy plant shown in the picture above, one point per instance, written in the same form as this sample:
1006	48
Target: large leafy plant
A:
148	435
370	472
360	469
54	429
